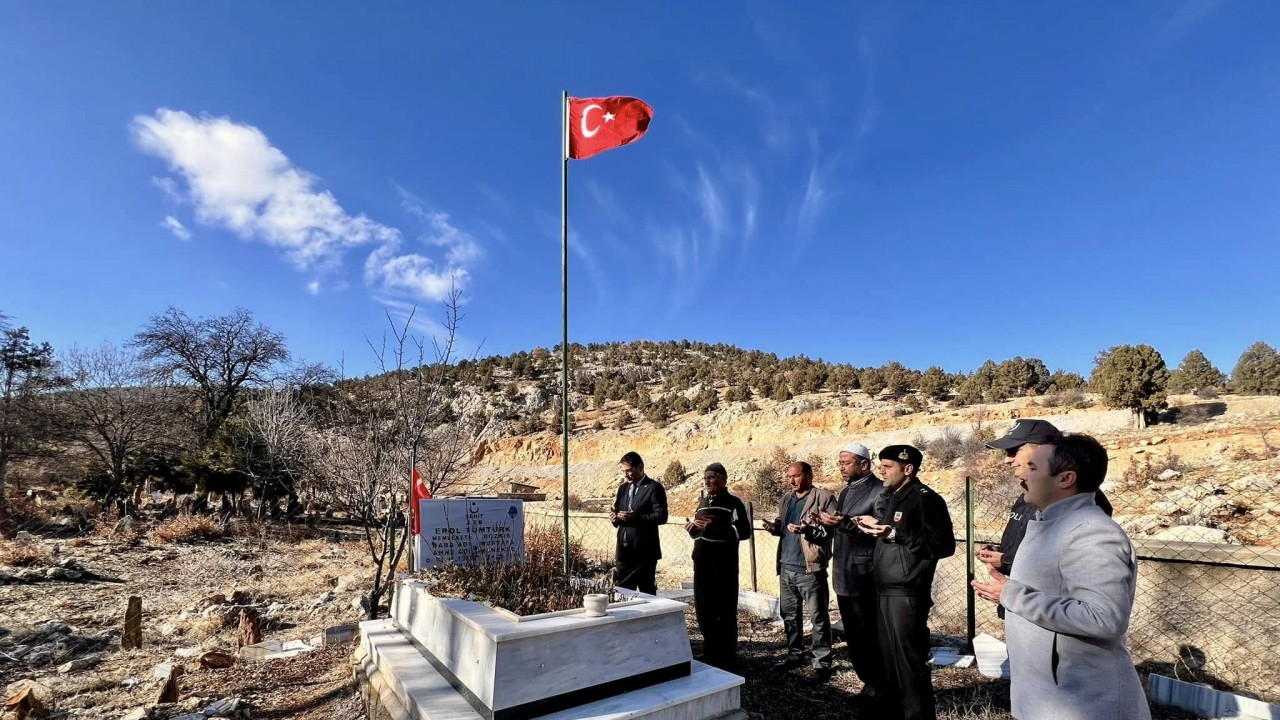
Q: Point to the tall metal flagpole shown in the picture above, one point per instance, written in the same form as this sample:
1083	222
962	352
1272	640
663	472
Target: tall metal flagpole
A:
564	306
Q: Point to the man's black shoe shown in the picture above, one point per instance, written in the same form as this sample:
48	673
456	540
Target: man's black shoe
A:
823	674
787	663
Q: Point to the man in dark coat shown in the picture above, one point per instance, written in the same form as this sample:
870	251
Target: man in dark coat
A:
914	532
639	508
718	525
853	558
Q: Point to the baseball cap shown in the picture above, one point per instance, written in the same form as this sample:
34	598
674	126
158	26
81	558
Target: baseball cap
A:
1023	432
857	449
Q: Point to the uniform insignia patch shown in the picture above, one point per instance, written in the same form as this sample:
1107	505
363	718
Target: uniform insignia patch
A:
897	517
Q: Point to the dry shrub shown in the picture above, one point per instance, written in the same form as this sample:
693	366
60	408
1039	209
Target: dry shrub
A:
27	513
1072	398
23	554
575	502
1146	469
951	444
205	627
187	529
538	585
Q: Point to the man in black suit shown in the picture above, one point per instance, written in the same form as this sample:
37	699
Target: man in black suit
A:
853	559
639	508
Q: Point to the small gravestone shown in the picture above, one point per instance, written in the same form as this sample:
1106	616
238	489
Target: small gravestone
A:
250	628
169	688
131	638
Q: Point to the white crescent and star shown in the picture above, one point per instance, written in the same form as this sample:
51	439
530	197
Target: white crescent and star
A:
586	112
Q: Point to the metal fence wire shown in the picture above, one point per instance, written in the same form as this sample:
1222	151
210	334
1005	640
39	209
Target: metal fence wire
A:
1207	606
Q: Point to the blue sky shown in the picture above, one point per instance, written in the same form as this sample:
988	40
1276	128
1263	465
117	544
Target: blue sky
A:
924	182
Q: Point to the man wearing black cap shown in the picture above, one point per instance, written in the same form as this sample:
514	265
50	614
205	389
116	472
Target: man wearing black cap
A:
1026	434
718	525
853	560
914	531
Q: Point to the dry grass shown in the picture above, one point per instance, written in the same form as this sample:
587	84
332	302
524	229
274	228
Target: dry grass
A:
187	529
538	585
23	554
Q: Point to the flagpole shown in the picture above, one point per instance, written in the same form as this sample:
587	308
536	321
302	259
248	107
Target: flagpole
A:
564	309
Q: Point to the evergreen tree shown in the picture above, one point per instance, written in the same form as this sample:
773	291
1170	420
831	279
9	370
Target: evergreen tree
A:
1257	372
1133	377
1195	373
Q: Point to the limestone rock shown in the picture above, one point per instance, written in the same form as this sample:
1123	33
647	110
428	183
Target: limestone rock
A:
1193	534
216	659
1169	474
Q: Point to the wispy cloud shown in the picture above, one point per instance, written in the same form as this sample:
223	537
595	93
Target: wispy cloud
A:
313	287
236	179
175	226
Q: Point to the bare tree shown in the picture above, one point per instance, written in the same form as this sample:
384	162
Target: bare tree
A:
115	407
366	457
275	449
219	356
359	466
27	372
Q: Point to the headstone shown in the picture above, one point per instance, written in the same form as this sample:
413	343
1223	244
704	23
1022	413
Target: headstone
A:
467	531
131	638
250	628
169	686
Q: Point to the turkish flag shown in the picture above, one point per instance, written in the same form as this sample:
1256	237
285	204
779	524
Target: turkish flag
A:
420	492
599	124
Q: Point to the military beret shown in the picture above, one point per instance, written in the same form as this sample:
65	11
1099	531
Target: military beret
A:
718	469
905	454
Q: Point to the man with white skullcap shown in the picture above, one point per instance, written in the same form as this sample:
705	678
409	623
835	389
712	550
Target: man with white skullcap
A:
853	560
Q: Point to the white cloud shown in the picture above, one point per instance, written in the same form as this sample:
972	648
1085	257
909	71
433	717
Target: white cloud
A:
175	226
412	273
236	179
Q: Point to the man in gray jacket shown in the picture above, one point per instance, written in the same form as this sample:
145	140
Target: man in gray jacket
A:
1070	595
804	548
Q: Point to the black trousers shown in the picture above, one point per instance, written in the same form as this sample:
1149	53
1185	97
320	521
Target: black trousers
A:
904	646
795	591
862	638
715	600
638	575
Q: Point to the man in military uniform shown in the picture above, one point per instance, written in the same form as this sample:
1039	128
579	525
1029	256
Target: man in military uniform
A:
914	532
718	525
853	557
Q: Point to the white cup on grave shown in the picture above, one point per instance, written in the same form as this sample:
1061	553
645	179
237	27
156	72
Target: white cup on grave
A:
596	605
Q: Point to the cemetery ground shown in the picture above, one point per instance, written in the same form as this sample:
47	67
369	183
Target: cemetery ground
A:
64	632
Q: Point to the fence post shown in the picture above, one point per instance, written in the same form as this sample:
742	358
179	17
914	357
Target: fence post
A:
751	544
970	598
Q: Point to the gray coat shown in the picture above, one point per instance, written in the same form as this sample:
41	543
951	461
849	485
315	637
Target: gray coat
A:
1068	604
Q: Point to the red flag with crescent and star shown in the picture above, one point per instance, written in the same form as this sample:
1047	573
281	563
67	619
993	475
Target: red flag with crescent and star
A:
420	492
599	124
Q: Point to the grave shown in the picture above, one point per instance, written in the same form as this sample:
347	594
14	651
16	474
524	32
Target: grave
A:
439	658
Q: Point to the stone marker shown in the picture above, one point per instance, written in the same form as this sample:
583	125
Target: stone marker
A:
169	687
250	628
131	638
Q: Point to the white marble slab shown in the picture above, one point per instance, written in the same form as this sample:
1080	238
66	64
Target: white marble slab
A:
505	664
391	660
1207	702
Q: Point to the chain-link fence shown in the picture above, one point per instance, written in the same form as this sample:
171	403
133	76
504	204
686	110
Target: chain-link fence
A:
1207	607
